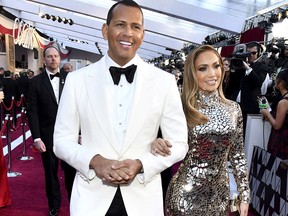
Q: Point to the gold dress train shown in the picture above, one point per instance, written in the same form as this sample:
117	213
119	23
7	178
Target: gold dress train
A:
201	184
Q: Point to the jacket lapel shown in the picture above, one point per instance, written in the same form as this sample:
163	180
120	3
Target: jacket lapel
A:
100	100
61	84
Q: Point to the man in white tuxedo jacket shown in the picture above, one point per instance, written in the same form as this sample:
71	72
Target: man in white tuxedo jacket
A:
119	119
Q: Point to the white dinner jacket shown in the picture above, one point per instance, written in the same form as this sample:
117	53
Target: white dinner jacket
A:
85	103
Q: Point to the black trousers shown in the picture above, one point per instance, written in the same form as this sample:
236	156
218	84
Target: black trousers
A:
53	192
69	173
117	207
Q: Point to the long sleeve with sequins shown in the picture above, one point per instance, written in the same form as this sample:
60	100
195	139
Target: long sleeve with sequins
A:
238	159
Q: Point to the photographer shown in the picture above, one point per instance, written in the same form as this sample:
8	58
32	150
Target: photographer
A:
282	62
249	75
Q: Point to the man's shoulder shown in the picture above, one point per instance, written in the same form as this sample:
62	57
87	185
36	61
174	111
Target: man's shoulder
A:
38	79
259	64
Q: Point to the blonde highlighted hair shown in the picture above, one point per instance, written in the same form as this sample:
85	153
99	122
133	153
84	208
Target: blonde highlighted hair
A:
190	88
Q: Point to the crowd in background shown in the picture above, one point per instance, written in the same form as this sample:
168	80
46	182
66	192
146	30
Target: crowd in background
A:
16	83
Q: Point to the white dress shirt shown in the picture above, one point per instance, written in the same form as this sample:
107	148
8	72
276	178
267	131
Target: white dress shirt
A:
121	100
55	85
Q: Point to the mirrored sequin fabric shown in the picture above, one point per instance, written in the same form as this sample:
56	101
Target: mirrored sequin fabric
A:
201	184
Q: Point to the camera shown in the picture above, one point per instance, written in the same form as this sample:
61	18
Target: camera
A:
263	103
239	56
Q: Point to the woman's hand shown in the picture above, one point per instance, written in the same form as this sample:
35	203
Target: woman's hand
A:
1	96
265	112
161	147
244	207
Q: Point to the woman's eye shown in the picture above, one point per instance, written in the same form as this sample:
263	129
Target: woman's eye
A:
217	66
202	69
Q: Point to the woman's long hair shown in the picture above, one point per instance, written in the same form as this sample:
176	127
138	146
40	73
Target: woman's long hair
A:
191	88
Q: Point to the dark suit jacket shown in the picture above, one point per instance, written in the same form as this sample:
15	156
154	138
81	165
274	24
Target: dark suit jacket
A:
23	84
10	90
251	87
42	107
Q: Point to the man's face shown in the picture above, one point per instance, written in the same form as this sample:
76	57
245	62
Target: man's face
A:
67	68
254	54
52	59
125	33
286	51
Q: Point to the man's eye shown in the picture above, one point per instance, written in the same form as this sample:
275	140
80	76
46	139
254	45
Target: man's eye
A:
137	27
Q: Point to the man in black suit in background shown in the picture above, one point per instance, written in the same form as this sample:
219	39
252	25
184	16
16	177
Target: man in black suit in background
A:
10	89
43	98
23	83
248	79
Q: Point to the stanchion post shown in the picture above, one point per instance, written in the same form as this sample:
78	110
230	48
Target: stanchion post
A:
24	156
8	127
1	115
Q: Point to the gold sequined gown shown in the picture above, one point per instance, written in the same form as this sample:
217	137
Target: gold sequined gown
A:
201	184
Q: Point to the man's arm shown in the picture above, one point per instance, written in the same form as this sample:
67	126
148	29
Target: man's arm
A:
32	110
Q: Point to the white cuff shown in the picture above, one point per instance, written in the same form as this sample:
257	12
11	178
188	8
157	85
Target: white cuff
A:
248	71
37	139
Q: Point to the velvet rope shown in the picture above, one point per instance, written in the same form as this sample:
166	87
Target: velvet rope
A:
22	102
18	103
10	107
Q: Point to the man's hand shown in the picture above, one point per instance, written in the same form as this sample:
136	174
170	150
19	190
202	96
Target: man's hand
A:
131	169
103	169
246	65
115	172
40	146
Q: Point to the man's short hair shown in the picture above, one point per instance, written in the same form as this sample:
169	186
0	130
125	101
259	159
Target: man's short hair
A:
7	73
251	44
51	46
124	2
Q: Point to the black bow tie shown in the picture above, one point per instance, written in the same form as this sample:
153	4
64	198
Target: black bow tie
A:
54	75
129	73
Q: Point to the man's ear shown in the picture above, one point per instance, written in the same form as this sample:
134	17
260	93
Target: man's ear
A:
142	39
104	31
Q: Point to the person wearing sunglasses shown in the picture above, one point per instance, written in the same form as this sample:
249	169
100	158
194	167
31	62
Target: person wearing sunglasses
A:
249	79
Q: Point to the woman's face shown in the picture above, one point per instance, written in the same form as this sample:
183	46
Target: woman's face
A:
208	71
277	84
226	65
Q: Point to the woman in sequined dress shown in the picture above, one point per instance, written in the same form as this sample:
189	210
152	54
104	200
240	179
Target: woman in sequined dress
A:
201	184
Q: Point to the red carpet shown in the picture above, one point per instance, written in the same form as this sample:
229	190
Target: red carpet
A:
28	190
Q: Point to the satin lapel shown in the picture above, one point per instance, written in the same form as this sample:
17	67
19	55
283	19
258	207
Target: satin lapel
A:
100	101
140	106
47	83
61	84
